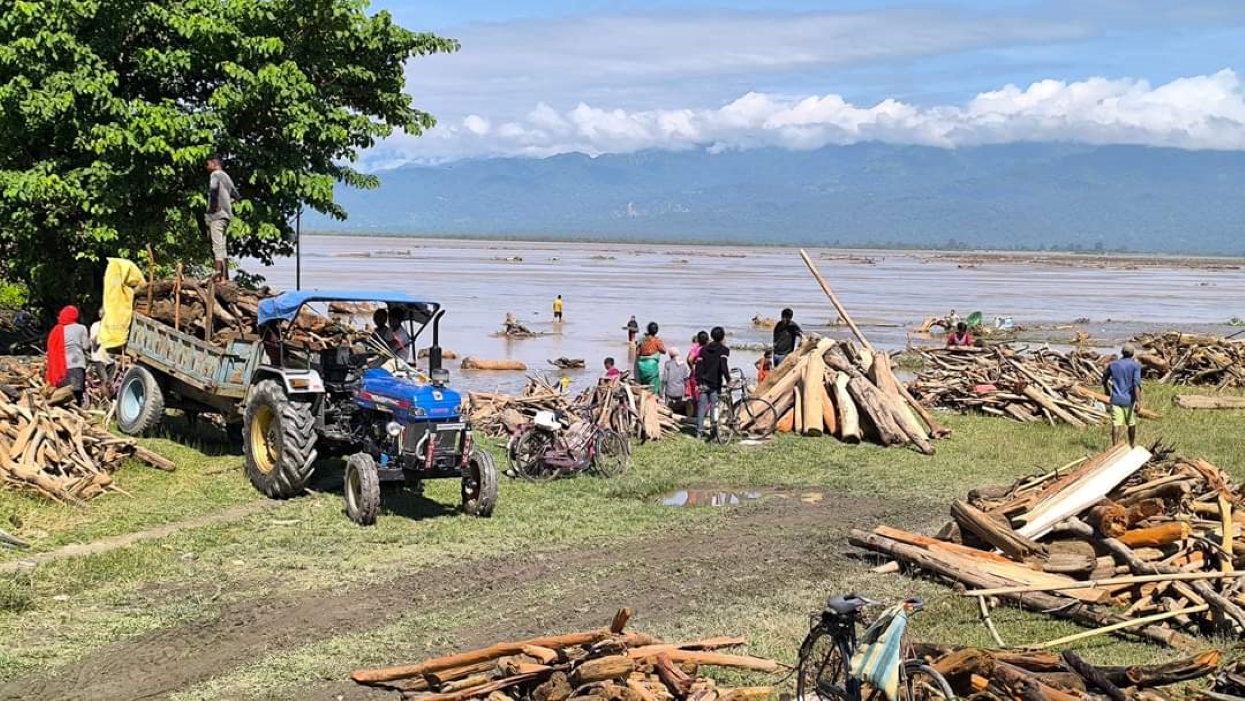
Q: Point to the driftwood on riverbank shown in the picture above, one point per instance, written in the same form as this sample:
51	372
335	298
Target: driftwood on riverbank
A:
1126	542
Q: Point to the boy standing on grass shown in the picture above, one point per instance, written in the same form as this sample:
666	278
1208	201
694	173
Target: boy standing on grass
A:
1122	381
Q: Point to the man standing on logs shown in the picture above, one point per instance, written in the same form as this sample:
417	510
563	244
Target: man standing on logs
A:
787	335
1122	381
221	196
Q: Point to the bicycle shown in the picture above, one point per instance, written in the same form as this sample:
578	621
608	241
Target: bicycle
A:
554	446
741	414
827	650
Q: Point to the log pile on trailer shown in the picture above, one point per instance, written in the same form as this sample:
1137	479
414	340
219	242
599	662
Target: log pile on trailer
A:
598	665
219	312
1127	542
50	447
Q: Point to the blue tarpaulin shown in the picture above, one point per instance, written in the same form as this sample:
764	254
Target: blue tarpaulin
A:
285	306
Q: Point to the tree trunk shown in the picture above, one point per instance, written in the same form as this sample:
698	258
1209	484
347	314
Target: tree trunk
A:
999	535
845	407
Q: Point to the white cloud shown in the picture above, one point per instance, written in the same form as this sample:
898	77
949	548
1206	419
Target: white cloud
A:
480	126
1202	112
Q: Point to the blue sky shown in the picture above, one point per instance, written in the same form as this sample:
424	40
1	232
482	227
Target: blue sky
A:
621	75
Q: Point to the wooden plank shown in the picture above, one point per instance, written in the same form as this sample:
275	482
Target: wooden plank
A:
1088	489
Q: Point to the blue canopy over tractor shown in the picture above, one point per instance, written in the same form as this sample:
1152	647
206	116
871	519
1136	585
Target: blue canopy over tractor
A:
285	306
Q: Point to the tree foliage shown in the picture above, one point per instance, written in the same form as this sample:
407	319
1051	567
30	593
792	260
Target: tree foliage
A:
108	109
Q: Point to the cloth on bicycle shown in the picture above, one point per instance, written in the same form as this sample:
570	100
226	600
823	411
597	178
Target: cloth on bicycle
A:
120	280
878	657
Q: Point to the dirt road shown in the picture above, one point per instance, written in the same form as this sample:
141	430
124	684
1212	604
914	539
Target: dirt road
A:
662	577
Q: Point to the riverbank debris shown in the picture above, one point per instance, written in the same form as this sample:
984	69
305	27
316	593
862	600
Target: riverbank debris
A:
1193	359
53	448
598	665
630	409
835	388
1130	542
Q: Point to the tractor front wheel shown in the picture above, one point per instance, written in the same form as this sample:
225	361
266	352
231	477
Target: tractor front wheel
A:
362	489
279	439
479	484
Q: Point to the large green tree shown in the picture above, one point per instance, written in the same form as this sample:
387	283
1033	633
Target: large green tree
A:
108	109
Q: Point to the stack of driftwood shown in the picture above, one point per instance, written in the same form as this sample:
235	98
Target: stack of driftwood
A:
1045	676
598	665
836	388
630	409
220	312
1193	359
51	447
1036	385
1127	542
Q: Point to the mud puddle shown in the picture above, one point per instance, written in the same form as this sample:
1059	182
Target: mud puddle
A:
688	498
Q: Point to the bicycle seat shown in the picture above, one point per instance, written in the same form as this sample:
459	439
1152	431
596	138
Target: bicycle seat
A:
848	605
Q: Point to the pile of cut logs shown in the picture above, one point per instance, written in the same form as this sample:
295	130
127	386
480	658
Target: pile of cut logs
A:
1028	386
220	312
1127	542
628	408
51	447
1193	359
598	665
836	388
1045	676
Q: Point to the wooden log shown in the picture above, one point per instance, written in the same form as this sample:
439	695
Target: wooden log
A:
834	300
747	693
1089	485
848	416
556	688
470	363
672	676
884	380
1142	510
1164	674
543	655
1157	536
1057	606
788	372
813	389
1023	685
493	652
1109	518
1197	401
798	411
601	669
786	424
1094	676
990	530
829	415
621	618
1048	403
483	690
719	659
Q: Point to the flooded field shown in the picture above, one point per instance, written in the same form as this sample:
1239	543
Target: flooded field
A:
686	289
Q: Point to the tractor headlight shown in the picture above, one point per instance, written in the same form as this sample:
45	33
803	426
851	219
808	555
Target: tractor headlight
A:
394	429
440	377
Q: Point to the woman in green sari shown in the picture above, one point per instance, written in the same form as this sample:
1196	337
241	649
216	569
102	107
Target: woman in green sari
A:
649	353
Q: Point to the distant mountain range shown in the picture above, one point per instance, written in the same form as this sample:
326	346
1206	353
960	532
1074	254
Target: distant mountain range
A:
1015	196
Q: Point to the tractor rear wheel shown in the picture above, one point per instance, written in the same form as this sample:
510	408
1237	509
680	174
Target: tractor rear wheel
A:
479	489
362	489
279	439
140	403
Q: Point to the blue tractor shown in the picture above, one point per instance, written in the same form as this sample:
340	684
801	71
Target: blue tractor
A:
397	426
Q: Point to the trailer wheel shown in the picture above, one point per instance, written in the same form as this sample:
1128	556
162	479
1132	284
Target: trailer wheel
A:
362	489
279	438
140	402
479	489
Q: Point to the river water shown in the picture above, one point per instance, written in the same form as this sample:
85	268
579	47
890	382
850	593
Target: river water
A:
689	288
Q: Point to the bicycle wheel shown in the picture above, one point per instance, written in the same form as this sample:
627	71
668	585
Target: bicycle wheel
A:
920	682
611	454
528	457
728	422
822	671
758	417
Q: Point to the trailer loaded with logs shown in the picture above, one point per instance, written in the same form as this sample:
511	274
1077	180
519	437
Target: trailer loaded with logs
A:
300	385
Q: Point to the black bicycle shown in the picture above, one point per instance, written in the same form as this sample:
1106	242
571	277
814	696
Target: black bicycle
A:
827	651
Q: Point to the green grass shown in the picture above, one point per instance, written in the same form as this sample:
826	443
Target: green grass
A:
65	609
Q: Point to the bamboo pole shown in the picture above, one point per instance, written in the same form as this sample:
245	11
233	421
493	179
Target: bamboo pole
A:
834	300
1132	623
1109	582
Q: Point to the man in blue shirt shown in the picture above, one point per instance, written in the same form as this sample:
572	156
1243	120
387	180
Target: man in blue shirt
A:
1122	380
